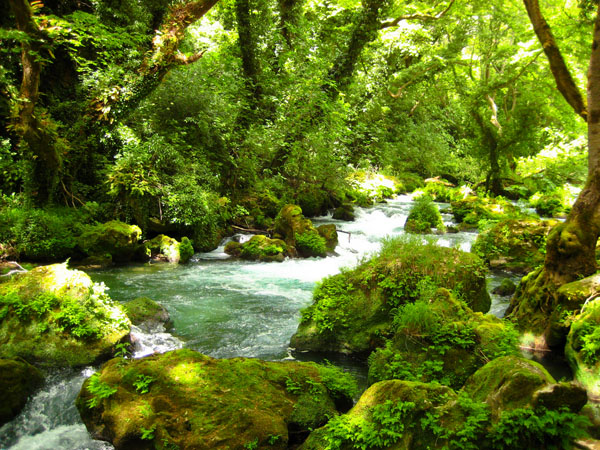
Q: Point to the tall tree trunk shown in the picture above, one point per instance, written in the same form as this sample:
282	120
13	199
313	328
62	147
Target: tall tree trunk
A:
250	63
570	249
38	140
365	31
289	11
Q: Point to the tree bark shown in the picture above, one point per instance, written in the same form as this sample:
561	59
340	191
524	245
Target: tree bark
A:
38	140
571	246
564	81
288	14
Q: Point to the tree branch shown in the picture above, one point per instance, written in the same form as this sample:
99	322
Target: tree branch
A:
422	17
564	81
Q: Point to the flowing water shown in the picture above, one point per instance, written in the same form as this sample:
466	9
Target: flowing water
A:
220	307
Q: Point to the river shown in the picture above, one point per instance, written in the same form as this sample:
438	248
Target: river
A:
220	307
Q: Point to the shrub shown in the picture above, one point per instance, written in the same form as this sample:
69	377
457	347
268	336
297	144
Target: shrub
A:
311	243
423	216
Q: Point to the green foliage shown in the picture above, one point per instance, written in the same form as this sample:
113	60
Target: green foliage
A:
539	428
424	215
338	383
252	445
293	387
330	297
385	427
99	390
311	243
42	235
148	433
142	383
186	250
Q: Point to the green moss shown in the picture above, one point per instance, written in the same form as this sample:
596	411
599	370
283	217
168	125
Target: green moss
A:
259	248
164	248
118	239
471	210
329	233
352	311
441	340
186	250
144	309
311	244
344	212
58	316
194	401
423	216
583	347
516	245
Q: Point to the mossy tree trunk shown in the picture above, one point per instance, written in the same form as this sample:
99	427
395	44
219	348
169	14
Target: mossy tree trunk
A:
38	137
570	249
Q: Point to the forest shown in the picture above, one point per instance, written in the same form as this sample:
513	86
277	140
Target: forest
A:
299	224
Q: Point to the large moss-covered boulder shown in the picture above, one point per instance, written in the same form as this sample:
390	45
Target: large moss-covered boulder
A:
344	212
329	233
441	340
58	317
515	245
147	313
183	399
549	330
18	380
116	239
388	416
470	210
583	347
353	311
299	233
511	405
164	248
513	382
259	248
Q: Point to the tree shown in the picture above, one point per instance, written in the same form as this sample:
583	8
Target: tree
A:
570	249
41	142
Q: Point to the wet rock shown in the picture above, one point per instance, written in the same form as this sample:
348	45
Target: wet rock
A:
18	380
299	233
507	287
344	212
146	313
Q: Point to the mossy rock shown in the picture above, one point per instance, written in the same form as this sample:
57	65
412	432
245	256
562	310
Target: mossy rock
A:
549	205
345	212
512	382
18	380
583	347
442	190
58	317
352	311
329	233
299	233
470	210
423	216
290	222
144	311
258	248
388	416
164	248
115	238
507	287
441	340
550	330
183	399
514	245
